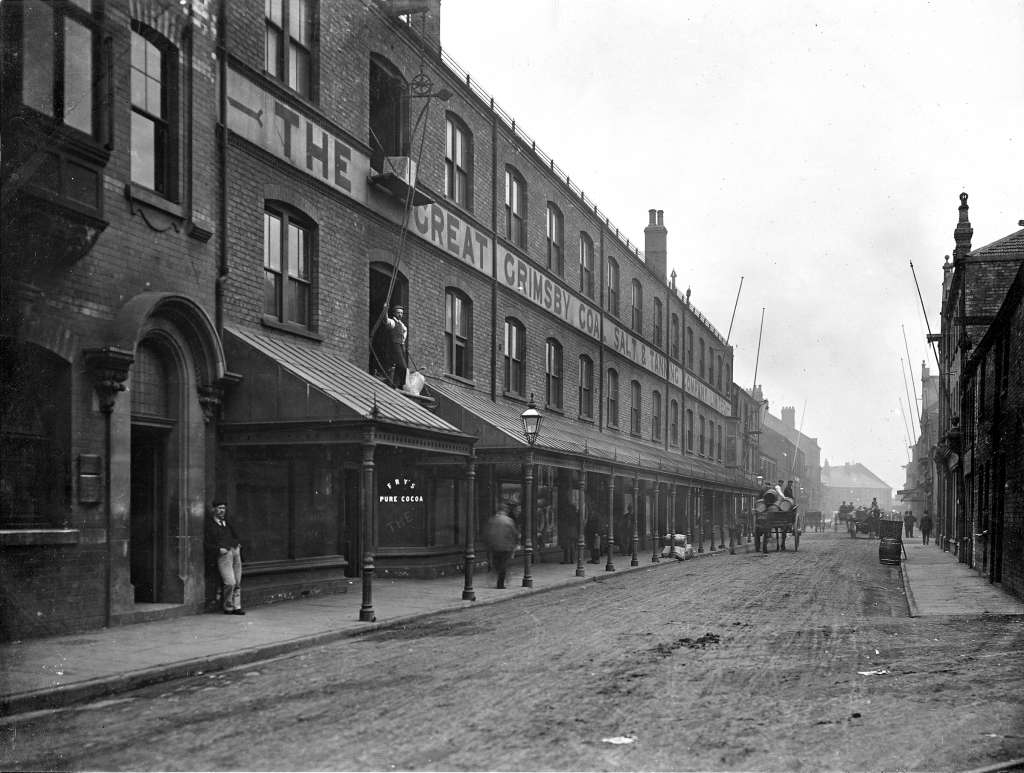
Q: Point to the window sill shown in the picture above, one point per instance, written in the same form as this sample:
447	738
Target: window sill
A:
586	419
159	213
515	397
460	379
290	327
21	537
555	409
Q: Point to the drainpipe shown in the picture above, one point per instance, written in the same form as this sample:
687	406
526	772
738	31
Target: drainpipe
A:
222	162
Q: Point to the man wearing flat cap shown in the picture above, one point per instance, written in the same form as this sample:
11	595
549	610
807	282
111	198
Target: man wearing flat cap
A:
396	352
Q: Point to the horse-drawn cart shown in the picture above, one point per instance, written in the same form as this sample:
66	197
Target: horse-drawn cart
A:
779	515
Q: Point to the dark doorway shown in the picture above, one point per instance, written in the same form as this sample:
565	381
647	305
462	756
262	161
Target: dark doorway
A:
383	296
148	521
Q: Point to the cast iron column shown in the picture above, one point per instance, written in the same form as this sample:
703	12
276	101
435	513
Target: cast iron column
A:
633	559
721	524
655	534
469	561
581	524
672	518
610	566
528	520
698	511
366	523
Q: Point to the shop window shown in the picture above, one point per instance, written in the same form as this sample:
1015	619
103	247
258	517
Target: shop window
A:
586	396
35	437
389	112
586	265
553	374
289	49
556	238
613	398
289	508
458	333
458	162
153	95
288	259
515	207
515	369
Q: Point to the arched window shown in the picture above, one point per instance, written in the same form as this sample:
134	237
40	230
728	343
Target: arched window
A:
638	307
711	439
657	322
586	265
675	336
634	407
458	162
556	240
711	366
613	286
613	398
458	333
701	436
656	415
689	348
586	396
701	367
718	429
515	351
515	207
689	429
553	373
673	422
719	373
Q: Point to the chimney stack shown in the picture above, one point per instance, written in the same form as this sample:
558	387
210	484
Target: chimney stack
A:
656	242
789	416
963	232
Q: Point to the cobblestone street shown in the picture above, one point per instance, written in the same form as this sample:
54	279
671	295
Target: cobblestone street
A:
792	661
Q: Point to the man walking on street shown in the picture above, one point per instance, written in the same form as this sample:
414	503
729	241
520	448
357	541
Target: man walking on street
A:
225	548
926	528
502	538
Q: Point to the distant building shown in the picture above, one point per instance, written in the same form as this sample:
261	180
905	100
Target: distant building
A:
918	494
853	483
797	456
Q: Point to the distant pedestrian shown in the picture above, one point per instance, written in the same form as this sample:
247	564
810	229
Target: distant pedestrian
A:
502	538
926	528
225	549
594	537
908	524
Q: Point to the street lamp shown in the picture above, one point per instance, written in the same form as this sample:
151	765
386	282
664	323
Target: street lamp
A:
531	428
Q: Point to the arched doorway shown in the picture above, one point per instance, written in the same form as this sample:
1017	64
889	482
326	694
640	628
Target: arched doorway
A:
155	440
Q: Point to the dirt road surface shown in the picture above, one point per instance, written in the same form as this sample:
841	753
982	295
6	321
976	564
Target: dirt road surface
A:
794	661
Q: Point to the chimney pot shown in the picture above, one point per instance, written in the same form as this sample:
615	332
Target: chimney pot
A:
651	214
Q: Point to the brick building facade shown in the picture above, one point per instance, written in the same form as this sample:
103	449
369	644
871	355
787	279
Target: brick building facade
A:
252	191
978	464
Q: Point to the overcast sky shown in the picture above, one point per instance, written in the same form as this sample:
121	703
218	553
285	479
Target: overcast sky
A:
812	148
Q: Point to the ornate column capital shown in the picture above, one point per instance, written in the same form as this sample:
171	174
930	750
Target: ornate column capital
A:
109	368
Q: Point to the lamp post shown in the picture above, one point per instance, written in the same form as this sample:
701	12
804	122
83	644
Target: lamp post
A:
531	428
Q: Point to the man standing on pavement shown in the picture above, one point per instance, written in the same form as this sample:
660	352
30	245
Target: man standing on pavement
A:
502	538
225	548
926	528
908	524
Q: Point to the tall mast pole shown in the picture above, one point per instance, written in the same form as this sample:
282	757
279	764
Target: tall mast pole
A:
729	334
757	358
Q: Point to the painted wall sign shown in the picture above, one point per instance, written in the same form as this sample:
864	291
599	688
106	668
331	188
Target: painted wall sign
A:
536	287
454	235
647	357
274	126
704	393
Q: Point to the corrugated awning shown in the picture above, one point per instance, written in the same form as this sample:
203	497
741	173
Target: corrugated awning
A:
290	381
498	426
